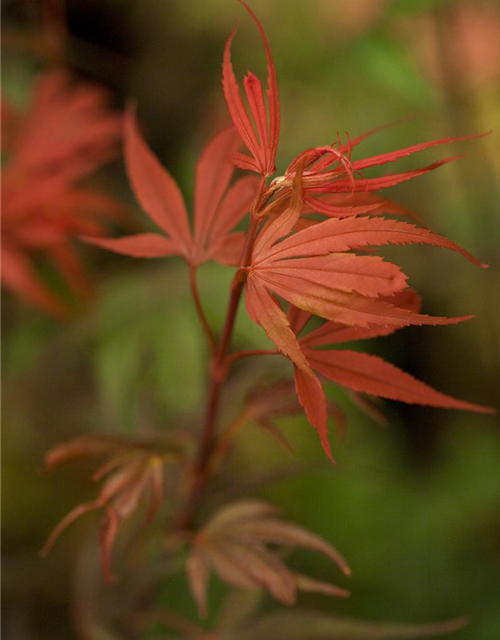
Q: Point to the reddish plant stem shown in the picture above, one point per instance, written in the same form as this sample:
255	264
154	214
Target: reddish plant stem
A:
218	373
199	308
252	352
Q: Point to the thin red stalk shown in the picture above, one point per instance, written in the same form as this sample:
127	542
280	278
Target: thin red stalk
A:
219	368
199	308
252	352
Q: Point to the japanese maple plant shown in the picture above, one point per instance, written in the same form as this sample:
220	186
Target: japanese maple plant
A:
307	252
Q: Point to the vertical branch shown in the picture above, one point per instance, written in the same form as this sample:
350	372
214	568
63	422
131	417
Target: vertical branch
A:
201	471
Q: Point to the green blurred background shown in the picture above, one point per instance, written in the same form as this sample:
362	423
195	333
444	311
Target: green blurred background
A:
414	507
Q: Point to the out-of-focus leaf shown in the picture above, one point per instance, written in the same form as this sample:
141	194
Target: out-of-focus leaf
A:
233	545
305	625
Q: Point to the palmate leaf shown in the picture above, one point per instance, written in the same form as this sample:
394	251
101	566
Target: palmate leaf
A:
346	302
312	625
313	271
233	545
218	207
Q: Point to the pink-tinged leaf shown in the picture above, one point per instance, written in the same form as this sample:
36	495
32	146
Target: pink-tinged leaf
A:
213	174
263	310
233	544
384	158
368	275
312	398
235	205
155	189
230	250
141	245
370	374
198	573
336	235
334	333
384	182
305	583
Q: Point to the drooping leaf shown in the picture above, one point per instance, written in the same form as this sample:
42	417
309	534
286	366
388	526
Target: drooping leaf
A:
312	625
371	374
233	544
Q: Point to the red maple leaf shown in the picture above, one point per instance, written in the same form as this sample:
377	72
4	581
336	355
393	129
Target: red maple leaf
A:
218	206
315	271
66	134
364	372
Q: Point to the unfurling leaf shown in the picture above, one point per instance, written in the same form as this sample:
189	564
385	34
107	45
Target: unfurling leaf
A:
262	142
132	470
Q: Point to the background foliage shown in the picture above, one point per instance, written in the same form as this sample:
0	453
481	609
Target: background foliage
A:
414	507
